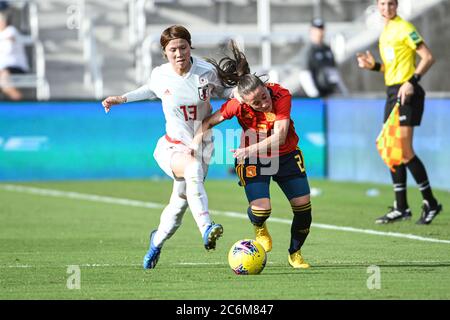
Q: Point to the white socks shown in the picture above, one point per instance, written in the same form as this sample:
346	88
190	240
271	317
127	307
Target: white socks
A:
191	189
196	195
172	214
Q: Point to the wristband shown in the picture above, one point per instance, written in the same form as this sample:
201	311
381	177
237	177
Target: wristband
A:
376	67
414	80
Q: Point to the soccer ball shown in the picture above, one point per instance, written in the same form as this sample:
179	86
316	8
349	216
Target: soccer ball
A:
247	257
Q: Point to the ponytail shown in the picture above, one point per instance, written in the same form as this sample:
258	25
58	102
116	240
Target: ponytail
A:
235	72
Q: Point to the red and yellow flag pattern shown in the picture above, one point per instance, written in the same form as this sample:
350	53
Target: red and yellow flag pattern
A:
388	141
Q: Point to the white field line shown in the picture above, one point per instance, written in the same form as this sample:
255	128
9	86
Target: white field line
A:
80	196
324	264
114	265
137	203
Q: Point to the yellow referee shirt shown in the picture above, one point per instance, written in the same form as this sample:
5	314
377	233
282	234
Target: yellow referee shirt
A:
398	43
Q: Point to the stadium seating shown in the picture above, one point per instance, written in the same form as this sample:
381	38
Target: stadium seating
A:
24	16
125	33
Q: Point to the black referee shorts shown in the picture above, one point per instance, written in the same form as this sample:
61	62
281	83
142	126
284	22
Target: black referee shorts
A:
411	112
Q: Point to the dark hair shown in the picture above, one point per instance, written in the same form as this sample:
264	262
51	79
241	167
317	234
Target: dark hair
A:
174	32
236	71
318	23
396	1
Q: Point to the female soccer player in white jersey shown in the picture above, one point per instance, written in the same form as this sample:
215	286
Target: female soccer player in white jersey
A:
184	85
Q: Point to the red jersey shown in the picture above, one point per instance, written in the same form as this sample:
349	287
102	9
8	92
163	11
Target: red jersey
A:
257	125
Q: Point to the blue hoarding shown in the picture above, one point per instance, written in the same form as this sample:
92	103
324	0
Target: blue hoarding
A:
76	140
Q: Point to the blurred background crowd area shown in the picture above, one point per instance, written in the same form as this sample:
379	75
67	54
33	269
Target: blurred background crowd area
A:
89	49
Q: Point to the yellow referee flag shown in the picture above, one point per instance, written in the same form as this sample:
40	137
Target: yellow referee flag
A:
388	141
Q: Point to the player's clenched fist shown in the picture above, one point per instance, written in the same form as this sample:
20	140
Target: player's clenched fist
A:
110	101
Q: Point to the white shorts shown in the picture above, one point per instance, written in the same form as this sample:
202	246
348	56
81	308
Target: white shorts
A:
165	149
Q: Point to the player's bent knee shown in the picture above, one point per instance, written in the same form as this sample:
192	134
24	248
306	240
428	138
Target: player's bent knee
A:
261	204
258	216
193	172
299	201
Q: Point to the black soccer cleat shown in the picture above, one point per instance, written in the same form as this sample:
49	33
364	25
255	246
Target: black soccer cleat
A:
428	213
394	215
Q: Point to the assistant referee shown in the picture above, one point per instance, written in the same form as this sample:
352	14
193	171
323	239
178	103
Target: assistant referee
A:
399	43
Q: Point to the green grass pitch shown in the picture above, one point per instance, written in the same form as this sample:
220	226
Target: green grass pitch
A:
42	235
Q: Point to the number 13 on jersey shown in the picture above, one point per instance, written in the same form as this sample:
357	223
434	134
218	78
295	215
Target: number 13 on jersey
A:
190	112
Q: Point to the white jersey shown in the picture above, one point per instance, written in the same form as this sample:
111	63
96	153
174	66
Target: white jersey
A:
185	99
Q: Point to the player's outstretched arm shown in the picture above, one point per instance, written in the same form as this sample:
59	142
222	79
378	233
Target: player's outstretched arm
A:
112	100
207	124
271	143
142	93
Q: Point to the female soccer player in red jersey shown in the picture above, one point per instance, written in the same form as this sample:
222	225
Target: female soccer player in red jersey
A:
268	150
